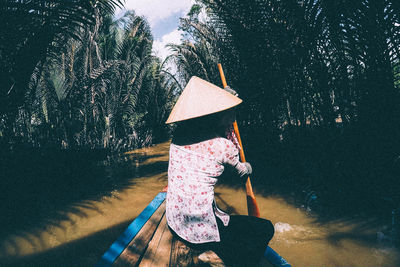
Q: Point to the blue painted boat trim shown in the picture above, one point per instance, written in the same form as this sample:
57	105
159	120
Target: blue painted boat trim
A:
275	259
122	242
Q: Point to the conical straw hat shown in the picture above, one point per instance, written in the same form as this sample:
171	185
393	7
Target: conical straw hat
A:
201	98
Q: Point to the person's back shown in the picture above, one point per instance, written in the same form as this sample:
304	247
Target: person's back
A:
192	174
199	153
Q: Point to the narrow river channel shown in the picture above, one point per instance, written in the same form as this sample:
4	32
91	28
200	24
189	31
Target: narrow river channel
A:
88	227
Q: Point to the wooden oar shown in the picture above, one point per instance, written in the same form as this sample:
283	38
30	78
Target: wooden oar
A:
252	206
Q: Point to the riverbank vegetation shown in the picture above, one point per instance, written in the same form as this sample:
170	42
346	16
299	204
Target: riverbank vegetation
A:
72	76
320	82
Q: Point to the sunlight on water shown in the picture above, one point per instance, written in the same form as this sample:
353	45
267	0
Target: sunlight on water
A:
84	236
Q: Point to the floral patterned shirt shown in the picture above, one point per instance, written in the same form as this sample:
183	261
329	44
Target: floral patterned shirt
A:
192	174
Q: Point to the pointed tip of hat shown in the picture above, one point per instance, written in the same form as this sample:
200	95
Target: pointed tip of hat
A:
200	98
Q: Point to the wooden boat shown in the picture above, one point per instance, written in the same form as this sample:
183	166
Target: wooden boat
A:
147	241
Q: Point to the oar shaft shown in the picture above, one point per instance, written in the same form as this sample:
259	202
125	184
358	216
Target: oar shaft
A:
241	152
221	73
252	207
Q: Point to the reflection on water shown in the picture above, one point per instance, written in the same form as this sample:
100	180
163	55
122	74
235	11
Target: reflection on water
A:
72	228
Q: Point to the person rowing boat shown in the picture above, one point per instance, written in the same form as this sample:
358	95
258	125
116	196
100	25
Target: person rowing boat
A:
199	153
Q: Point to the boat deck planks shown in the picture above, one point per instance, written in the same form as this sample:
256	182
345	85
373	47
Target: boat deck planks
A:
181	255
148	242
133	252
152	246
155	246
159	249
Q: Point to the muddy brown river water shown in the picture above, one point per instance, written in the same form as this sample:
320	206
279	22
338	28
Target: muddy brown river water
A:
83	234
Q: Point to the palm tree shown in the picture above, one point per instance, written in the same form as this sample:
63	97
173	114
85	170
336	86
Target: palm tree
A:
319	59
100	89
31	31
317	78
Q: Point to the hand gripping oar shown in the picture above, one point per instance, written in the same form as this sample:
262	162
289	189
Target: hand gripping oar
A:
252	207
274	258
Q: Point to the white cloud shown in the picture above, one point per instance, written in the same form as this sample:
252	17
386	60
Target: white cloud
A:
159	46
157	10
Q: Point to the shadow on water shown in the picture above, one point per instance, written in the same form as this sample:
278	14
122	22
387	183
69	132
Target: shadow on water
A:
336	176
70	254
42	188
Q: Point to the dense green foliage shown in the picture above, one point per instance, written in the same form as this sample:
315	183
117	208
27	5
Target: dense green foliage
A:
305	62
32	30
72	76
320	83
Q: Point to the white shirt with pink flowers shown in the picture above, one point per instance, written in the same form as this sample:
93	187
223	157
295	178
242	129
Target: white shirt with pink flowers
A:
192	174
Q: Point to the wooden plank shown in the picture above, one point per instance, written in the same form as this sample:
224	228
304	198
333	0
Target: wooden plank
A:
208	258
134	251
133	229
164	250
181	255
159	251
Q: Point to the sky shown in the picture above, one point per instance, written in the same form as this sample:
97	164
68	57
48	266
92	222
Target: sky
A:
163	17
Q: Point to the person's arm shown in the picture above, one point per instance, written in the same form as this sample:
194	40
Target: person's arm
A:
231	136
231	157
